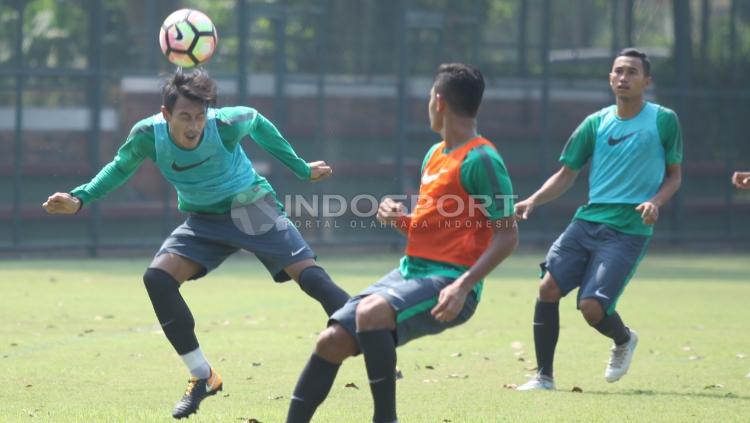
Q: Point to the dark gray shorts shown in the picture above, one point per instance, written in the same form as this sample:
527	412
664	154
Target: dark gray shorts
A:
596	258
412	299
260	228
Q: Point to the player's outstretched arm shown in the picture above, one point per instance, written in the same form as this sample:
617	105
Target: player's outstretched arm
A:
649	210
393	214
741	180
453	296
62	203
554	187
319	170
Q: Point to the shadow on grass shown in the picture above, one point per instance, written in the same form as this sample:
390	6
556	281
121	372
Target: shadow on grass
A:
649	392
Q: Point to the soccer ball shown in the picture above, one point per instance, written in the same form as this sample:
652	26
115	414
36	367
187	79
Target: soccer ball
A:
188	38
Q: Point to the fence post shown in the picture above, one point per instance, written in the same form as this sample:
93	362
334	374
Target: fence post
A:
18	144
96	19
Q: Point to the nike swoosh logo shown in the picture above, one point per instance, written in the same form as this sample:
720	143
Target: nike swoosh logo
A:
599	294
178	168
615	141
294	253
427	178
374	381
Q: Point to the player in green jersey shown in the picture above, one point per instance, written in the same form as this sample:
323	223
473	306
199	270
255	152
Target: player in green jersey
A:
635	151
230	207
451	247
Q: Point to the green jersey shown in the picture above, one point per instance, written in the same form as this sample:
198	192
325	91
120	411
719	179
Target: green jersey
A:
208	178
628	163
483	175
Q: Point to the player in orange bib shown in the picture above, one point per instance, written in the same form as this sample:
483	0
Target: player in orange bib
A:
460	229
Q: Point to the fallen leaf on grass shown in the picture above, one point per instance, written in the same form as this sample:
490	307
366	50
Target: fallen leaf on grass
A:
516	345
351	385
740	355
695	357
277	397
256	364
510	386
457	376
29	385
577	389
429	367
714	386
457	354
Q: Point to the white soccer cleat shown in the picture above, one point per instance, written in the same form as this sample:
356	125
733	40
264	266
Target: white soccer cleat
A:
619	362
538	383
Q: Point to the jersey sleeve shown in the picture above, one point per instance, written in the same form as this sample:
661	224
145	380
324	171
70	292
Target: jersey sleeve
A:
580	146
670	134
233	124
485	178
137	147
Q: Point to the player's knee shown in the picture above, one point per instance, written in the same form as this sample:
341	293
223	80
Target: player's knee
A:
374	312
591	310
157	282
549	291
335	344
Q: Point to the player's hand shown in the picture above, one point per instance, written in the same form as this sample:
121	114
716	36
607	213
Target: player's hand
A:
524	208
319	171
390	211
450	302
741	180
61	203
649	212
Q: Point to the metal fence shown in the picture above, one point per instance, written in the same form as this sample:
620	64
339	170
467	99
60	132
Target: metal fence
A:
347	82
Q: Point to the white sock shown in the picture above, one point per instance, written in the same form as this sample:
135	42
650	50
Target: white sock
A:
197	363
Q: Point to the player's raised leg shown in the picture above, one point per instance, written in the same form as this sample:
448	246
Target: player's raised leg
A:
612	265
163	278
316	283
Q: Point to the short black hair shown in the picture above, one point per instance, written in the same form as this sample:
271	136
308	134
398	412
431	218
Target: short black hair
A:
634	52
195	85
462	87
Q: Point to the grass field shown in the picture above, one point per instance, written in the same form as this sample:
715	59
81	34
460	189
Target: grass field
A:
79	343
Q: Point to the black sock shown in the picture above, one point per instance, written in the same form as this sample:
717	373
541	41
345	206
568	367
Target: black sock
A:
312	388
612	327
546	332
171	310
317	284
379	349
